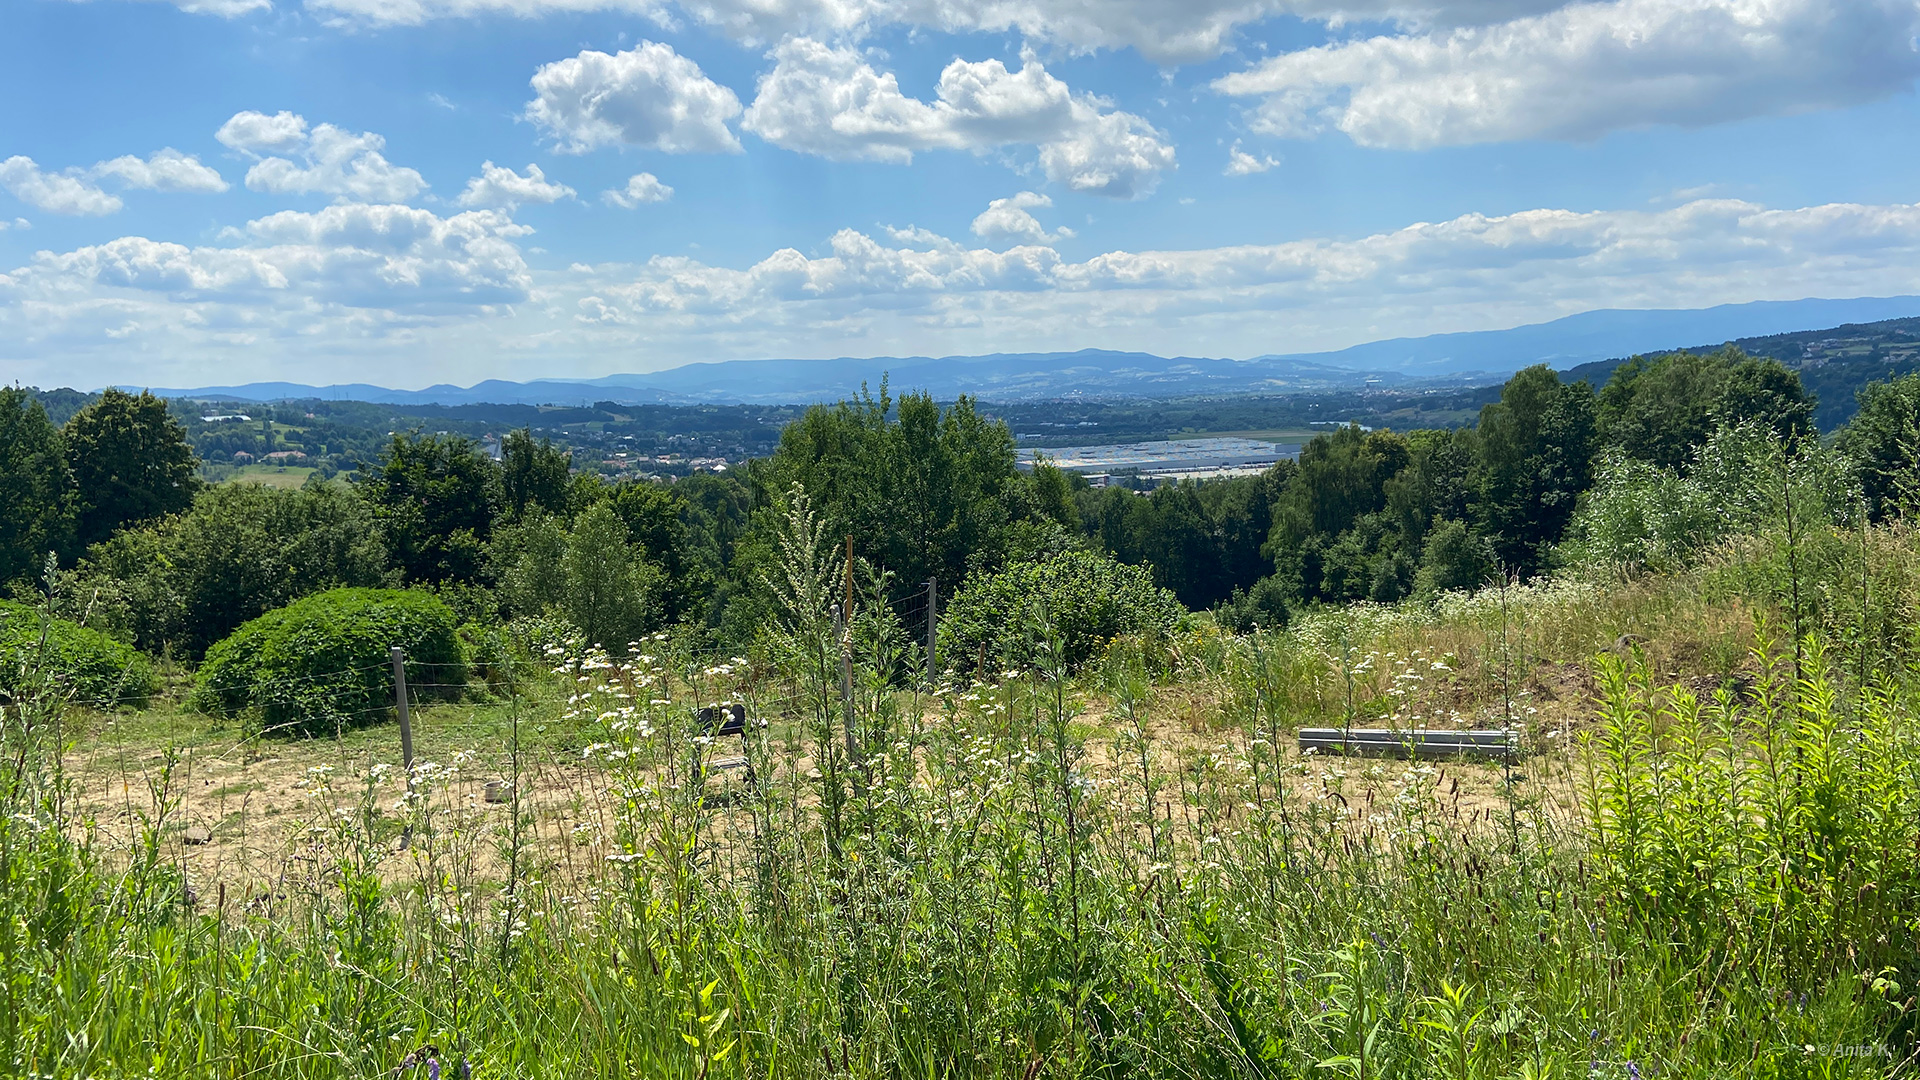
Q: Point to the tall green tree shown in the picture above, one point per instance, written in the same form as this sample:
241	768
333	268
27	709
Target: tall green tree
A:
1662	409
131	462
1332	539
533	476
1765	391
435	497
1883	442
36	487
1537	446
931	493
655	517
527	558
610	590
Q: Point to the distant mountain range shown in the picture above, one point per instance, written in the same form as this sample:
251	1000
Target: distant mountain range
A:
1461	359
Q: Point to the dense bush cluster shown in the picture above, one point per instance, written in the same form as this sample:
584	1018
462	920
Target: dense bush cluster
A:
84	664
324	661
1059	610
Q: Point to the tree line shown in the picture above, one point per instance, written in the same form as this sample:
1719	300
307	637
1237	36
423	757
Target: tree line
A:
144	550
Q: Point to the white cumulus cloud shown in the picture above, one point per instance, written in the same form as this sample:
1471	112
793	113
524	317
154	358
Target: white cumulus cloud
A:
641	188
257	133
77	191
1581	71
829	101
360	286
325	160
1011	219
166	170
500	186
346	272
70	192
1241	163
1471	272
648	96
1165	31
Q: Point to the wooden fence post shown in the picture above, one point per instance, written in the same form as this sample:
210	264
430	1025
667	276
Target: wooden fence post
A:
933	605
400	705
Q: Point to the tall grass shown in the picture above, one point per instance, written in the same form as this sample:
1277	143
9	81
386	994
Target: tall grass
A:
1016	878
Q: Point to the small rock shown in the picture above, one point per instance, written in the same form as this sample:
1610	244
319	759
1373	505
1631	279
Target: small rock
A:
197	835
499	791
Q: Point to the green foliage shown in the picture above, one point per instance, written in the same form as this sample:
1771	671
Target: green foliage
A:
656	519
435	498
1780	807
1536	446
525	559
86	665
130	462
240	551
1331	539
1201	540
1260	606
1661	409
1744	480
932	493
609	590
36	487
534	476
1378	516
1883	441
1063	609
322	662
1455	559
590	577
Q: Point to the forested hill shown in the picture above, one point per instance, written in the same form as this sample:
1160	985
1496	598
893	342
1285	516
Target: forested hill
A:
1834	364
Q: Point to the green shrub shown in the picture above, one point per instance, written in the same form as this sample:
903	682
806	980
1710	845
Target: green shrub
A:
1264	606
87	664
1084	598
323	662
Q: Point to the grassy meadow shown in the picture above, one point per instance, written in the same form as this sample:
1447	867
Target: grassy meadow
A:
1706	865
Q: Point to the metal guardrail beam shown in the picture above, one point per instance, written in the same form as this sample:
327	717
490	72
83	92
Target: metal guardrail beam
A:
1415	743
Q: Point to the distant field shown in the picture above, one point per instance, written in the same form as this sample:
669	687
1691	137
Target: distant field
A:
279	476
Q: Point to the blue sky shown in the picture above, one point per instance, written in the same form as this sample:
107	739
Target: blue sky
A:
418	191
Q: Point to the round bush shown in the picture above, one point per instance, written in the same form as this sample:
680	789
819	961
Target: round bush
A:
323	662
87	664
1080	598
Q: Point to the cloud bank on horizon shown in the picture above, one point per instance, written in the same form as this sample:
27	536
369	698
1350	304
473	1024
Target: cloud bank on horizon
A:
414	191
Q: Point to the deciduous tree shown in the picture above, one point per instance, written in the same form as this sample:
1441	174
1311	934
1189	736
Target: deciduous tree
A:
130	461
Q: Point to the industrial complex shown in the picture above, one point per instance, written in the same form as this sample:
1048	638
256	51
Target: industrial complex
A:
1158	462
